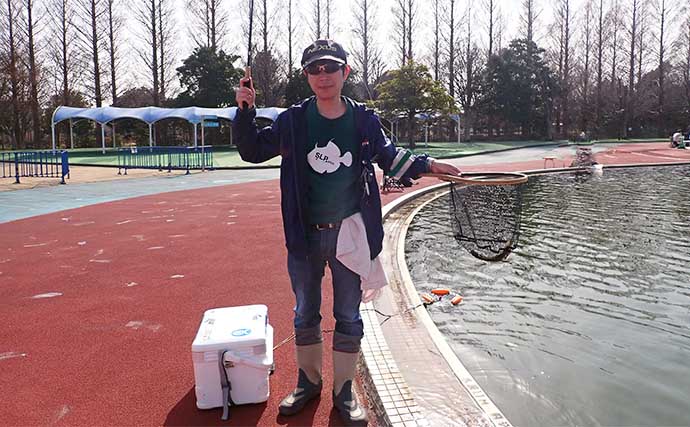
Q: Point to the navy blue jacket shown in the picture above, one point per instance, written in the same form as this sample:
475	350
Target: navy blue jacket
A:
288	137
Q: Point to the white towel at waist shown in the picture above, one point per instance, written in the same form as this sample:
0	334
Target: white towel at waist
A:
353	251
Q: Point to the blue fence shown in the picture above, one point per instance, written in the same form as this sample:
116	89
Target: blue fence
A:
35	164
178	158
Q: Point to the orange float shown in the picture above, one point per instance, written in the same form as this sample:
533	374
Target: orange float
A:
440	292
456	300
428	299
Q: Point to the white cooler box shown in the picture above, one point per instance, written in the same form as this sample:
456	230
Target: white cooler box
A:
242	337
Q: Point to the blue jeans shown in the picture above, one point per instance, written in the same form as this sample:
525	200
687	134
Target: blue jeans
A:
305	276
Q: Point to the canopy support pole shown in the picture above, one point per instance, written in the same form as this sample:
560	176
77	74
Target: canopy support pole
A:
195	136
71	135
103	138
150	136
52	130
426	134
113	133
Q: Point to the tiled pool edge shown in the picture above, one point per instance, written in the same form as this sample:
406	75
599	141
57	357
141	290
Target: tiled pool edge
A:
387	391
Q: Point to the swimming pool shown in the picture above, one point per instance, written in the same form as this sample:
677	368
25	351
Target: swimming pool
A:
588	321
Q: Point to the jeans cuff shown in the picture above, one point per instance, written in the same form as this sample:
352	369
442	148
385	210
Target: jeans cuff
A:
346	343
308	336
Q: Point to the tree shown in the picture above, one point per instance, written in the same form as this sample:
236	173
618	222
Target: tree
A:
297	87
315	22
12	14
290	36
410	90
63	55
450	46
148	17
530	13
266	20
207	23
115	25
208	78
400	27
468	76
267	79
628	95
166	46
519	88
91	38
587	43
365	54
33	73
491	8
563	34
600	63
436	51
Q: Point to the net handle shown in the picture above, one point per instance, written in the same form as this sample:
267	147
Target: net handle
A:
497	178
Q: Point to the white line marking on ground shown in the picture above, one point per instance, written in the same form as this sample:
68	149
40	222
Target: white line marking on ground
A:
62	412
40	244
153	248
177	276
138	324
125	222
47	295
11	355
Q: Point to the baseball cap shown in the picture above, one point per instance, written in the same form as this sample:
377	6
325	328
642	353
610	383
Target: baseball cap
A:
324	49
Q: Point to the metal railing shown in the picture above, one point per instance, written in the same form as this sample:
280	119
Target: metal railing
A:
177	158
35	164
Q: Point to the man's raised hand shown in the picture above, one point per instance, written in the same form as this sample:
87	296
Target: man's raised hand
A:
245	95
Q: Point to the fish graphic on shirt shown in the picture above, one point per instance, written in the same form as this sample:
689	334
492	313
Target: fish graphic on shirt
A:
327	159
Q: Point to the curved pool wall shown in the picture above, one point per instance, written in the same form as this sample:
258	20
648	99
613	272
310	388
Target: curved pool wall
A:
410	374
584	324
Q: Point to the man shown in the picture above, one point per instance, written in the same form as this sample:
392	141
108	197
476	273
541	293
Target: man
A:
327	143
677	140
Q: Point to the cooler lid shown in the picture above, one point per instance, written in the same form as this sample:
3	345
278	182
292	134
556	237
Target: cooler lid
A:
232	327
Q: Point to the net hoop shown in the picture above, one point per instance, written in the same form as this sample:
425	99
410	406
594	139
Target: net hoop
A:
482	178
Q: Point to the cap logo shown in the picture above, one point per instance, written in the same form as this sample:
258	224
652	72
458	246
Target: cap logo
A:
317	48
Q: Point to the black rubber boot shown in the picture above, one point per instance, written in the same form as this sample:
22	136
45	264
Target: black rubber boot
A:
351	412
305	392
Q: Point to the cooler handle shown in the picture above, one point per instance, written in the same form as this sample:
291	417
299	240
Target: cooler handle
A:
228	356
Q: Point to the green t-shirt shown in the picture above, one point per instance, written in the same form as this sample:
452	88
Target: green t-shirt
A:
334	166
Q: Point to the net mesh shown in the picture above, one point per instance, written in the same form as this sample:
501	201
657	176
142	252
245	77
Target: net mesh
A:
486	218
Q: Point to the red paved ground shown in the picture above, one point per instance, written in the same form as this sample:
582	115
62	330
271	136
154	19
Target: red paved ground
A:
135	277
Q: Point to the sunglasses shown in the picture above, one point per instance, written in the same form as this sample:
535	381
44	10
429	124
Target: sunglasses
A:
329	67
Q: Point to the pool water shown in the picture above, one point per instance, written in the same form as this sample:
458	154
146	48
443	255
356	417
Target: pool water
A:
587	322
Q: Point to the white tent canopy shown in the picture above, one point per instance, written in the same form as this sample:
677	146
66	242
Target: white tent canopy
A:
150	115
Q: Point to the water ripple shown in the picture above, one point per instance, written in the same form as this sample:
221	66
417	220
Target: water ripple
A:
597	292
